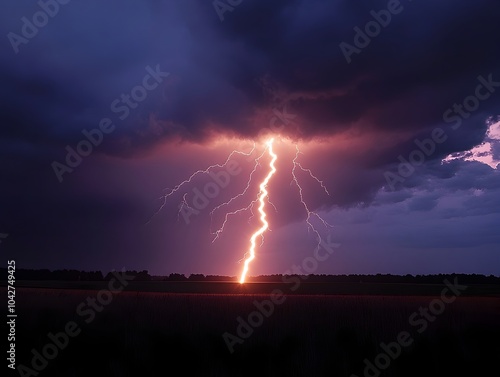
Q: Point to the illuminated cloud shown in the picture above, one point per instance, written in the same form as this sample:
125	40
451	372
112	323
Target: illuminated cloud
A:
486	152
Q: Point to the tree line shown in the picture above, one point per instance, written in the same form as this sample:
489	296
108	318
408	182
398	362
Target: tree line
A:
71	275
77	275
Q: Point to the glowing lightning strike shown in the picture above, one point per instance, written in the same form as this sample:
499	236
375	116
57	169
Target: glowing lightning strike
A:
262	195
186	181
226	217
262	198
308	211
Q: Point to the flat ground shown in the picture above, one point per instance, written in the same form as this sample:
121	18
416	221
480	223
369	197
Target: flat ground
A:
303	288
142	333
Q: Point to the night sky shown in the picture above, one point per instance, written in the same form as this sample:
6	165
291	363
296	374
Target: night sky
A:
401	126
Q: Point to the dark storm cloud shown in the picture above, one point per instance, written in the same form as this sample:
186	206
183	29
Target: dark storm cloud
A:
423	204
427	58
405	78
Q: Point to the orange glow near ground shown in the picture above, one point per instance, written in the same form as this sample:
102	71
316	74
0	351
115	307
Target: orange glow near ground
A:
262	195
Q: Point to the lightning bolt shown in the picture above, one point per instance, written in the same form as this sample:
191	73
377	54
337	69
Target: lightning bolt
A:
262	195
249	207
192	176
226	218
262	199
183	204
310	214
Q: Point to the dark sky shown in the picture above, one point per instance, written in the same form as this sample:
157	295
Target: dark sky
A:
177	85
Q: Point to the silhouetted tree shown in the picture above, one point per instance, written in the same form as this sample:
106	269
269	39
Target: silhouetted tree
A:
196	277
143	276
176	277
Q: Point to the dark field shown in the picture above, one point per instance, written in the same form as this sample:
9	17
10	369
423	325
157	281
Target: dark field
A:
158	333
304	288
